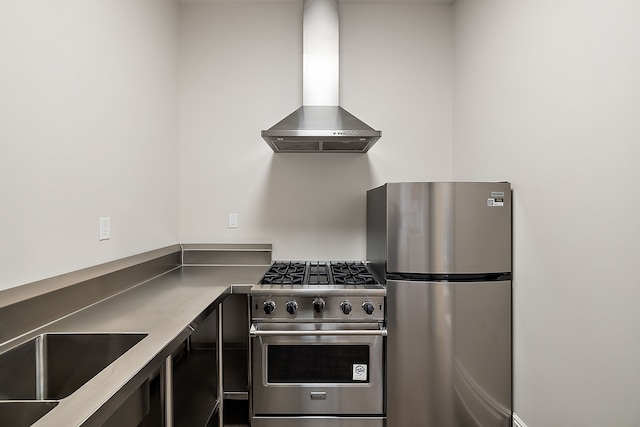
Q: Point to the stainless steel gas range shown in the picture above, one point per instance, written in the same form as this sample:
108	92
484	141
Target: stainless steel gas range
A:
317	346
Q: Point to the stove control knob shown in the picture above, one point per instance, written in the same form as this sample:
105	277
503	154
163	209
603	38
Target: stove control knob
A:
318	305
291	307
269	306
368	307
345	306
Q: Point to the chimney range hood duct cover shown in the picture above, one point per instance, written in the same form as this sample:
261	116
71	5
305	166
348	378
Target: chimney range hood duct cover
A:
320	125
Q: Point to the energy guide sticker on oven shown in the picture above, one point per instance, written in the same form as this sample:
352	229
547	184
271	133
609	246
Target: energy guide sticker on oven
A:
359	372
493	202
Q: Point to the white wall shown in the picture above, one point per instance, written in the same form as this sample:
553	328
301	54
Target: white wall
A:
241	72
88	128
547	96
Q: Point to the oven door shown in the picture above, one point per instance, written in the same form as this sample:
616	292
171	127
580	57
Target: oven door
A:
317	369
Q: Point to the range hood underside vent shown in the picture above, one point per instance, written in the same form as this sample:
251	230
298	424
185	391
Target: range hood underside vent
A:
311	144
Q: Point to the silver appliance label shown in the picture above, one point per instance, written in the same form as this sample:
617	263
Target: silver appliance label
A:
499	194
359	372
493	202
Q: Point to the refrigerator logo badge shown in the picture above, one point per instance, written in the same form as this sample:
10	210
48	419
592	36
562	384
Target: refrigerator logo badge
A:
496	199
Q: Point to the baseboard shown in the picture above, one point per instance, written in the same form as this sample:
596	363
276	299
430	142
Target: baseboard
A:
517	422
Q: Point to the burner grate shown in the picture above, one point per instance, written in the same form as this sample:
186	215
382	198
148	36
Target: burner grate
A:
281	273
351	273
318	274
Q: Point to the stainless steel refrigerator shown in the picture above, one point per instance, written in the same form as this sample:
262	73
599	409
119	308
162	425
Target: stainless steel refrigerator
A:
444	251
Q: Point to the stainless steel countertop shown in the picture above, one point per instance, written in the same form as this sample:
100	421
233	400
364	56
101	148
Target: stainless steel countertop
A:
163	308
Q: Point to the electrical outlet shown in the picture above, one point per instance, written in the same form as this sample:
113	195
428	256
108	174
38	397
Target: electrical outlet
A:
105	228
233	220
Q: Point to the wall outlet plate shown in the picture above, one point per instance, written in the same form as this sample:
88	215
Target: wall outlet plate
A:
105	228
233	220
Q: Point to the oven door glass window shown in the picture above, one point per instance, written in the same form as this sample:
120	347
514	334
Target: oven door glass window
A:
318	363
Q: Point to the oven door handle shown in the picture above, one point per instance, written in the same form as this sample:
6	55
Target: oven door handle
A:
254	332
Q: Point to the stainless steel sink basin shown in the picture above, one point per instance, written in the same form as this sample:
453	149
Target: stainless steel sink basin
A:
23	413
52	366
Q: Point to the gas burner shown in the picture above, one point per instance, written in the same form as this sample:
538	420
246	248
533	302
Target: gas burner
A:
281	273
351	273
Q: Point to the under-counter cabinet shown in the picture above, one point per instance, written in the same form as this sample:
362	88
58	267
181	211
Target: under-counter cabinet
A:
194	391
191	395
195	386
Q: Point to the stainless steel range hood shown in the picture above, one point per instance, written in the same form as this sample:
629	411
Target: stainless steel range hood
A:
320	125
321	129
